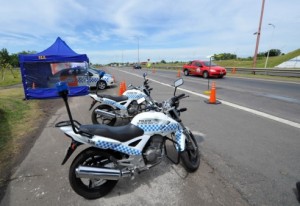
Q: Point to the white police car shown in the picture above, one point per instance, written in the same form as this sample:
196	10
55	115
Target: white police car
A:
106	80
79	76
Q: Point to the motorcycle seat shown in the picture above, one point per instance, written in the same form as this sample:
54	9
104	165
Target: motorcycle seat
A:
120	133
115	98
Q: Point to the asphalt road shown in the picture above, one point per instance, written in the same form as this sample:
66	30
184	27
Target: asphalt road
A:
247	159
279	98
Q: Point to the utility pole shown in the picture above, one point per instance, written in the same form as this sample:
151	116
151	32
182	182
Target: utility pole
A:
258	34
269	47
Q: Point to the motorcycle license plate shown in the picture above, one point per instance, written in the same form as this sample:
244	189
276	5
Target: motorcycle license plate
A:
139	101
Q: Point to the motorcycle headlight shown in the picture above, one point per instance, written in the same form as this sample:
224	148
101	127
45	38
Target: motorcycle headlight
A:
176	104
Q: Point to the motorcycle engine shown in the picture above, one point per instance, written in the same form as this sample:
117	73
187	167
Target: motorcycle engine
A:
133	108
153	152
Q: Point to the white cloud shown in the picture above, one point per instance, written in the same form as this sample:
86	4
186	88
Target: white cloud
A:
167	28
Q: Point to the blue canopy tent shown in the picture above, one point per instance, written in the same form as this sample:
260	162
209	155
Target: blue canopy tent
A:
42	70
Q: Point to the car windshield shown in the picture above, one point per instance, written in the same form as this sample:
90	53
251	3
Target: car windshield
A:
93	71
96	70
71	71
207	63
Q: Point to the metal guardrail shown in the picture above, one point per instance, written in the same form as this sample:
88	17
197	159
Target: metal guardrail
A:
261	71
267	71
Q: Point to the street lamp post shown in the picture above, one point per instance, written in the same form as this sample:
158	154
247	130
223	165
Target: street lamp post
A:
271	41
258	34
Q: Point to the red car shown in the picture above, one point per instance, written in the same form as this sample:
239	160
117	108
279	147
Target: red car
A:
203	68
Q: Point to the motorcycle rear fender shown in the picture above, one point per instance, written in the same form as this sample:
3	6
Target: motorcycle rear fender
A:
96	100
86	140
95	97
75	137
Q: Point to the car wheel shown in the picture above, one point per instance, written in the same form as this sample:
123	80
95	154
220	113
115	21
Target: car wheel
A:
101	85
186	72
205	75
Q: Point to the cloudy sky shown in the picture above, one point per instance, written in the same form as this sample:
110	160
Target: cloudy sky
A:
125	30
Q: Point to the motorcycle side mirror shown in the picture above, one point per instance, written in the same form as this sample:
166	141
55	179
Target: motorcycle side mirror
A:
144	75
177	83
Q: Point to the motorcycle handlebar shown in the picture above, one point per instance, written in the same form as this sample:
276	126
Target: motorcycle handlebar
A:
176	98
182	109
180	96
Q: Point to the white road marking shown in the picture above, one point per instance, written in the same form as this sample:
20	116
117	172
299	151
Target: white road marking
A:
262	114
197	133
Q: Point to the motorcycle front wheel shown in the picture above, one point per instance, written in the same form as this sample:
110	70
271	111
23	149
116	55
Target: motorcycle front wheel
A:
190	156
95	187
101	119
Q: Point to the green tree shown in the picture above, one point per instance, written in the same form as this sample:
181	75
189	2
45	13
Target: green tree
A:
273	52
224	56
4	57
14	60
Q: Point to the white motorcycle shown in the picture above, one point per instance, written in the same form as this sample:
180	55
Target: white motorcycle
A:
124	151
111	108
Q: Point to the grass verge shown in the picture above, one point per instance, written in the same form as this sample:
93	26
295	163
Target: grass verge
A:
10	77
17	119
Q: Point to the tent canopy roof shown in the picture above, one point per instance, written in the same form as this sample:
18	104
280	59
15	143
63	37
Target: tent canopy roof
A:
59	51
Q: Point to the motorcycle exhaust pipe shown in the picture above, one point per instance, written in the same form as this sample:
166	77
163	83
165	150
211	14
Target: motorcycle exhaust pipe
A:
101	173
106	114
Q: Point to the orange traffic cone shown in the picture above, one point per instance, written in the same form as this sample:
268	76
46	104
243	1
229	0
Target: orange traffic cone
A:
33	85
124	87
212	99
121	90
178	73
233	70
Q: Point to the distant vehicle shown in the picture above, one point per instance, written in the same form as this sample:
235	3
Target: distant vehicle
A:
79	76
137	66
205	69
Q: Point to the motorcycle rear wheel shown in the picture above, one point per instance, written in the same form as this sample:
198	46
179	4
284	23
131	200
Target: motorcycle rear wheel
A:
190	156
91	188
100	119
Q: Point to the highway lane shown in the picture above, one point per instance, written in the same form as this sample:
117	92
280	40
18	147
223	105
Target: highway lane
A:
278	98
259	156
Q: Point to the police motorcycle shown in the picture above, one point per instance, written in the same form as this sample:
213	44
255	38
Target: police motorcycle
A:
124	151
111	108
